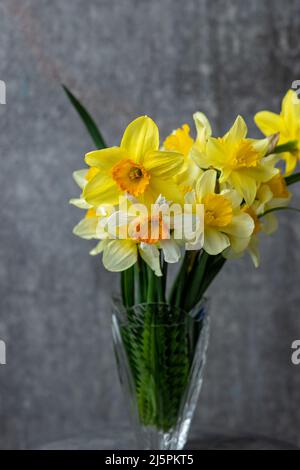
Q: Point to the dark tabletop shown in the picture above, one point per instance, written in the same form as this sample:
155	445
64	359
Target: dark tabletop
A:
123	440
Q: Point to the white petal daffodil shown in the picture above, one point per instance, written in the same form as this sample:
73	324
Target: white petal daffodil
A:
224	223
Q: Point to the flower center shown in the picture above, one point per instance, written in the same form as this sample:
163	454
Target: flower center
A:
217	210
148	230
180	140
90	213
244	155
130	177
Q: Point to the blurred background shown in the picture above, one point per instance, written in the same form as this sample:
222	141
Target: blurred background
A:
123	59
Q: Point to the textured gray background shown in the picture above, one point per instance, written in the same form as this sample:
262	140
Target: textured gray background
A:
126	58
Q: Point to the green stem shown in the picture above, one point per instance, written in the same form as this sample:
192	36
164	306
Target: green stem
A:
291	179
179	286
286	147
195	280
151	292
127	287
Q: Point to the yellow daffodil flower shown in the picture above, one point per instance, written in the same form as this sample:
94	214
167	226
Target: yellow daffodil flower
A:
287	123
137	167
224	223
270	195
240	160
181	141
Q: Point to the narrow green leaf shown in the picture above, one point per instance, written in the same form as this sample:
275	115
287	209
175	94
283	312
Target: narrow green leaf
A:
279	209
287	147
292	179
87	120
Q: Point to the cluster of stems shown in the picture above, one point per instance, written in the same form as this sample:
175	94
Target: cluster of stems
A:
139	284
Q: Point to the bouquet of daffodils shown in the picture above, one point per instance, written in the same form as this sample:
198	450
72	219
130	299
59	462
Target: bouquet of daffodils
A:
194	198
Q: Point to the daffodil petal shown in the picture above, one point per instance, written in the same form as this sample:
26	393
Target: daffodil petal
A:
170	250
119	255
79	178
261	145
268	122
241	226
140	137
253	250
167	188
290	162
150	254
214	241
86	228
233	196
163	164
202	125
215	154
206	184
239	245
237	132
291	110
245	186
98	248
101	190
190	197
105	159
80	203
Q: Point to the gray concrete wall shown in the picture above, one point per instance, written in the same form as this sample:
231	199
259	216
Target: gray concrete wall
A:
125	58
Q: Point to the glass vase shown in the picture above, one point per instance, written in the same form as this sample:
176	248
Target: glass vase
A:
160	352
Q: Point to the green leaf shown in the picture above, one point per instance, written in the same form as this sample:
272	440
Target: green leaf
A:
87	120
287	147
292	179
279	209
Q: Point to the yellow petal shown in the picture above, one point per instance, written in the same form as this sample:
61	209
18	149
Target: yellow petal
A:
163	164
245	185
105	158
261	146
202	125
268	122
215	153
237	132
119	255
290	162
167	188
206	184
101	190
291	111
140	137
